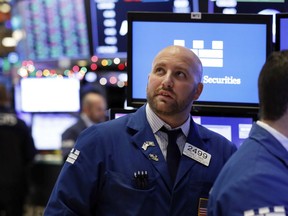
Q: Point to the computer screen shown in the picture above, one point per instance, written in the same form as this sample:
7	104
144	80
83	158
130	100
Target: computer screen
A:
48	95
232	49
281	31
47	129
234	128
108	28
52	29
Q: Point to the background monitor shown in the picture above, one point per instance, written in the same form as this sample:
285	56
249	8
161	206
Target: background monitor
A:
53	29
47	129
235	127
281	31
108	23
232	48
48	95
115	113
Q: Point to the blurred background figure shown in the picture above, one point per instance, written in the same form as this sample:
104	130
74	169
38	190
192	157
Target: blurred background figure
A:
17	151
93	111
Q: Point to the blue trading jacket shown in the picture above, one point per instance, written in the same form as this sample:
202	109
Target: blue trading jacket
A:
98	178
254	180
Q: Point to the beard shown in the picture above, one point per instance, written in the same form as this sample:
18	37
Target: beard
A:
171	107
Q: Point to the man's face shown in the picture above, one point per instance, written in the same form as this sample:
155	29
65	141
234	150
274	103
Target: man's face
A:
96	111
173	83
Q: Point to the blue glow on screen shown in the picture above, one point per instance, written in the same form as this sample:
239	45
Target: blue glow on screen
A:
242	46
235	129
283	33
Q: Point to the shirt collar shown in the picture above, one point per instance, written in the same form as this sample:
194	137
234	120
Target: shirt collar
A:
279	136
156	123
86	120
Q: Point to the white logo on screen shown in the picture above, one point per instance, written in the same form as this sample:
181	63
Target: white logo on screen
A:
209	57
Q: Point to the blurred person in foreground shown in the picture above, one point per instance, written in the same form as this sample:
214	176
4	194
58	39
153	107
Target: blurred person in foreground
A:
255	180
93	111
17	151
145	163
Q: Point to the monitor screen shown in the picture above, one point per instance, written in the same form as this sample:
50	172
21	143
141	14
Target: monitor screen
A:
52	29
47	129
232	48
234	128
49	95
281	31
109	23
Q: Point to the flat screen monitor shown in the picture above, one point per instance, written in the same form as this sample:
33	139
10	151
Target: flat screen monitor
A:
232	48
49	95
47	129
108	28
234	127
53	29
281	31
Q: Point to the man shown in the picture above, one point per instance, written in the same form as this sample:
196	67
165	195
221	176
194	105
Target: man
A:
119	167
254	181
17	151
93	111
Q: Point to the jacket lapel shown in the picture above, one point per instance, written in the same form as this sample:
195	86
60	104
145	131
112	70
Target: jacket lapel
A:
145	141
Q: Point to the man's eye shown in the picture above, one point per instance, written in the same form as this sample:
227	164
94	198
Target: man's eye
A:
180	74
159	70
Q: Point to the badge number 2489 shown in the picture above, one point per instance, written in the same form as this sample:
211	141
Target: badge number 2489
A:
197	154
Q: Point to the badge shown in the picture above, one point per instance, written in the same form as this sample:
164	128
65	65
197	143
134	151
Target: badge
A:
72	157
147	144
153	157
197	154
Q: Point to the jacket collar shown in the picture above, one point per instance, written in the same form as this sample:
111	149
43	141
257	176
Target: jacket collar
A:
269	142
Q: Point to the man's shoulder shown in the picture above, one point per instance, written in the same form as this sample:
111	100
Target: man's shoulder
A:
249	165
249	176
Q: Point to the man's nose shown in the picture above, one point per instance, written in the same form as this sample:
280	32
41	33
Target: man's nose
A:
168	80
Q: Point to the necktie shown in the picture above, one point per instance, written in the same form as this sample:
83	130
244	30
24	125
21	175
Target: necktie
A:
173	152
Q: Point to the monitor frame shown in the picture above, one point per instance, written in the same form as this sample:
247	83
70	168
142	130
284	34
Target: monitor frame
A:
279	16
197	18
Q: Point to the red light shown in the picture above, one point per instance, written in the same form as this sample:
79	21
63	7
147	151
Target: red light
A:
93	66
121	66
76	68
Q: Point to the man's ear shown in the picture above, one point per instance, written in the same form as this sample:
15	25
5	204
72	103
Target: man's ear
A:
198	91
